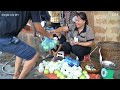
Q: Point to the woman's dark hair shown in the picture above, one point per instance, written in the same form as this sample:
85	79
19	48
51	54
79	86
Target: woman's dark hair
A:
83	16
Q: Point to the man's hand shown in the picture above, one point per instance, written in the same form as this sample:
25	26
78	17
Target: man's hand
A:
50	36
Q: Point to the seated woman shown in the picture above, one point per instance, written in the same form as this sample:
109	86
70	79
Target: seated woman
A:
83	34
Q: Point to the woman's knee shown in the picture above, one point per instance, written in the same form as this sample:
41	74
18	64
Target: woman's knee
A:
75	49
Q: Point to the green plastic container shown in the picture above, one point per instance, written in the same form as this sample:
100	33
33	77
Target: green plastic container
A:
107	73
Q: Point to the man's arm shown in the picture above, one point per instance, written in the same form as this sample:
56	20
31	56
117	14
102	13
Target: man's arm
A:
41	30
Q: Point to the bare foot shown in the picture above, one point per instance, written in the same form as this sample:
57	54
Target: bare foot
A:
16	75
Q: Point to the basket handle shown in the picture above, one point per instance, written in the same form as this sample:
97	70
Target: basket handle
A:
100	57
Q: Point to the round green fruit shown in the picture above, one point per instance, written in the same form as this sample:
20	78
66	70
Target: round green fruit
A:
62	76
59	74
82	77
56	71
84	72
46	71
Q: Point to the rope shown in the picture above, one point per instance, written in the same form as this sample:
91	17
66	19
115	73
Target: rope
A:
93	50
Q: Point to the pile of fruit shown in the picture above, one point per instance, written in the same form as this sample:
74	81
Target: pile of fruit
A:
62	70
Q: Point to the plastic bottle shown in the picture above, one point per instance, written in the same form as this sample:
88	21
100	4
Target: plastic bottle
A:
71	62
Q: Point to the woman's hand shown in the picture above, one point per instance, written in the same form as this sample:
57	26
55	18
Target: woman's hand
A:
76	43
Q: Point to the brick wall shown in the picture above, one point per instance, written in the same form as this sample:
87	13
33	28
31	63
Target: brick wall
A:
106	25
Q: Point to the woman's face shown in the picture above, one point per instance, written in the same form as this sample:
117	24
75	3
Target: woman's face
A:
79	22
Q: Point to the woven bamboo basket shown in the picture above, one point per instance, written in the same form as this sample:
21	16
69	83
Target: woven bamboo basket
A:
110	51
95	64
